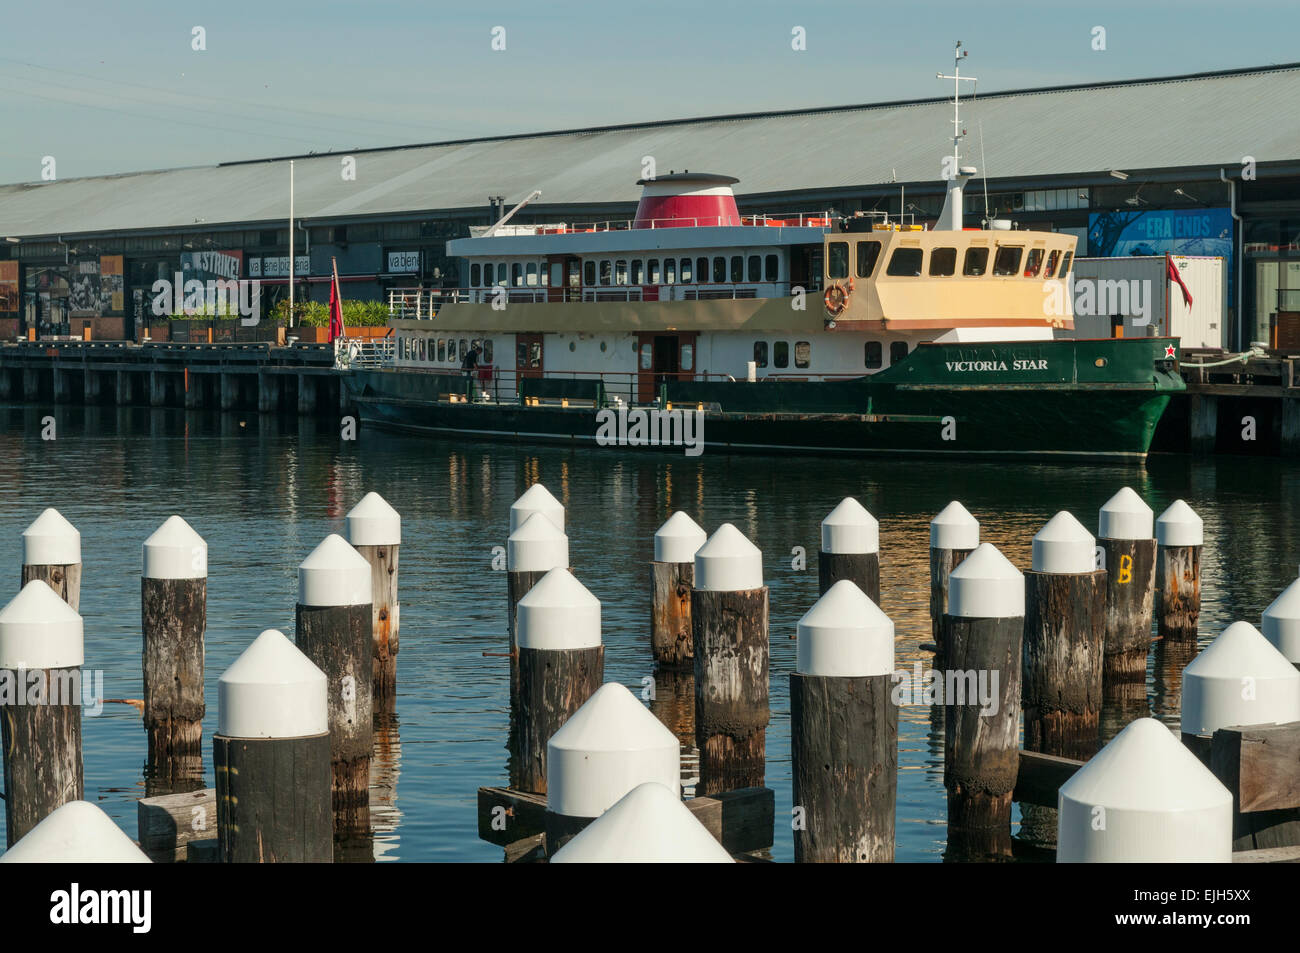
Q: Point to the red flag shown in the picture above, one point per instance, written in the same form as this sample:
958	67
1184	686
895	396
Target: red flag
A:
1172	271
336	308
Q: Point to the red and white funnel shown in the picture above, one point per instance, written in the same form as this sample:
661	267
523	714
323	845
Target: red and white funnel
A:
686	200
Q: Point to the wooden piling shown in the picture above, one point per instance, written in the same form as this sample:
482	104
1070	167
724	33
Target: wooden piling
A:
173	612
1124	533
535	548
375	530
954	534
672	574
41	653
982	634
729	622
271	755
561	664
850	549
52	553
844	731
333	619
1180	535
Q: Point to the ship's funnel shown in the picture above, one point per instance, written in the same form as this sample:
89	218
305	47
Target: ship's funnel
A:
950	217
686	200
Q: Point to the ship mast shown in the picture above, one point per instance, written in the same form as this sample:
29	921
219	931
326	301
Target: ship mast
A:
950	217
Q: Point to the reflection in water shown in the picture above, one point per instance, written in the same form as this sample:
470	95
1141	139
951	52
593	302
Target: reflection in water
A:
1121	704
673	703
1169	658
385	768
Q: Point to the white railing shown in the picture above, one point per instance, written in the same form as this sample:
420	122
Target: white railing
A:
822	219
364	352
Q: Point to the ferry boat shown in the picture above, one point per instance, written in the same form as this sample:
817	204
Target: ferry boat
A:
694	327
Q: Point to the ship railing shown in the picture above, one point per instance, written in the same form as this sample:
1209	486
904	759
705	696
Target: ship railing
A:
629	388
822	219
364	352
503	294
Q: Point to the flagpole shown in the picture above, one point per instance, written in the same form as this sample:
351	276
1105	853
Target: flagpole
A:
290	243
338	295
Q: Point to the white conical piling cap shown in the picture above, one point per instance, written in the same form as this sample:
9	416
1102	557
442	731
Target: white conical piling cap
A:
537	546
51	541
558	613
845	635
954	528
1239	679
536	499
606	748
1144	798
986	586
334	574
1281	622
175	551
1064	546
1125	516
728	562
1180	526
678	539
40	630
849	528
272	691
75	833
372	522
649	825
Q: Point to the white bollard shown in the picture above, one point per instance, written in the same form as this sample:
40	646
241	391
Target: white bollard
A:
52	553
648	825
954	534
672	574
1281	623
1239	679
1144	798
77	833
1180	534
607	747
271	754
533	550
374	529
850	549
536	499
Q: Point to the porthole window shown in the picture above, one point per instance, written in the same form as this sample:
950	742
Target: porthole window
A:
573	346
781	354
897	351
873	354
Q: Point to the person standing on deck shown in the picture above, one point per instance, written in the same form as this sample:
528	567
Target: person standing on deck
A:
469	364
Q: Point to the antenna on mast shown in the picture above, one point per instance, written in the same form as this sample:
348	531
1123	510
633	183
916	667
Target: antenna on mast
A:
950	217
984	166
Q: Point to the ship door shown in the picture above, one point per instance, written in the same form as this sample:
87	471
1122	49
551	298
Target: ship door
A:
561	269
528	355
662	358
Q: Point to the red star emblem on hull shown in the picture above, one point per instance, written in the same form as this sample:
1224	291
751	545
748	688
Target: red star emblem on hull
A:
1169	350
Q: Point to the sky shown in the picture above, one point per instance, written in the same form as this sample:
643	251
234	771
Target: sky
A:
105	88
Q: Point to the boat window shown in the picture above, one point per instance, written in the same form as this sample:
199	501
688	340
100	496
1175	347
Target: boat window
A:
451	350
686	269
719	270
905	262
872	354
688	357
837	261
802	353
897	351
517	275
976	262
1053	259
943	262
737	268
781	354
488	274
670	270
647	356
701	271
464	347
501	273
487	351
652	271
475	275
868	253
620	272
442	349
556	271
606	270
1034	263
755	268
771	268
637	274
1007	260
423	342
1065	265
532	274
760	353
588	272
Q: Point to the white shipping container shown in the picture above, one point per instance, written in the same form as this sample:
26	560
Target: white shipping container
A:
1152	305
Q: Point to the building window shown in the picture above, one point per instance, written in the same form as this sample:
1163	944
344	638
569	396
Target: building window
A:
837	262
1053	259
637	276
771	268
976	262
1034	263
872	354
719	270
868	253
760	353
1007	260
897	352
802	353
588	272
755	268
652	271
943	262
1065	265
475	275
905	262
620	272
781	354
606	271
670	270
737	268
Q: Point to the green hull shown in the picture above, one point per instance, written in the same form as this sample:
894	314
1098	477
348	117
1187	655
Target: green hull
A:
1085	399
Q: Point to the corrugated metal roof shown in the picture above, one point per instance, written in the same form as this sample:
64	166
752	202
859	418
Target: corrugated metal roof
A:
1198	120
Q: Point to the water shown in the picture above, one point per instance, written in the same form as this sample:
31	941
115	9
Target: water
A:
264	491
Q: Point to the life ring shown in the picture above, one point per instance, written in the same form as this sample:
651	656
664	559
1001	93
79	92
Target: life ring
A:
835	300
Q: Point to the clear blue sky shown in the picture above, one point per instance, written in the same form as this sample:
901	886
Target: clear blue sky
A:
108	87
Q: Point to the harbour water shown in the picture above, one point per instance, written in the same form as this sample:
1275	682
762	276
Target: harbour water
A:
263	491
